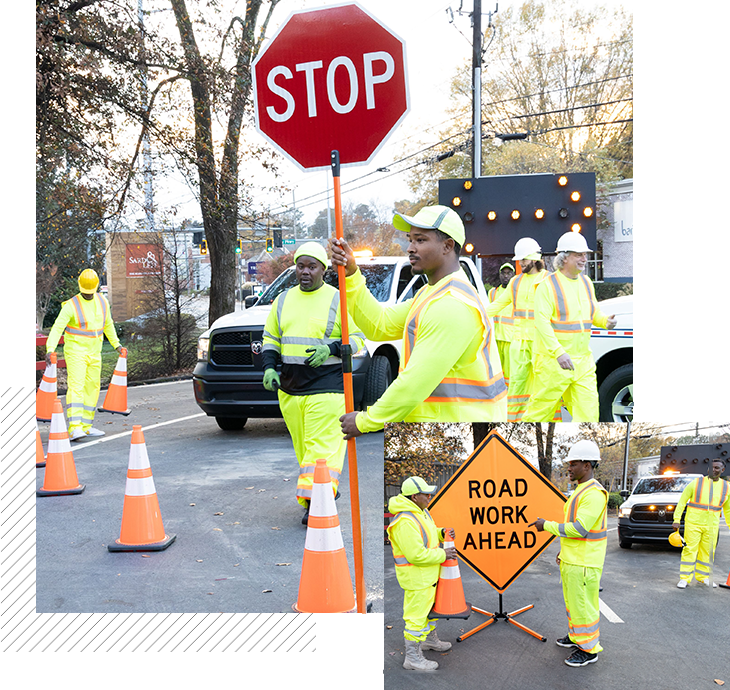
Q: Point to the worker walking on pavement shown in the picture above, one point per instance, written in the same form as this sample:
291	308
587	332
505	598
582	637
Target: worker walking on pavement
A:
582	553
303	332
415	541
520	294
83	321
703	499
503	321
450	369
565	310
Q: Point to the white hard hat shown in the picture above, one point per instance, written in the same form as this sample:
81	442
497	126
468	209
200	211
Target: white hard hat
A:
587	451
572	242
525	247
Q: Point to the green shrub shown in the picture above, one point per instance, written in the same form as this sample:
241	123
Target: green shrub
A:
614	499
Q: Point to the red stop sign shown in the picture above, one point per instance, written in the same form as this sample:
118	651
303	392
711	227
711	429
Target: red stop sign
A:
332	78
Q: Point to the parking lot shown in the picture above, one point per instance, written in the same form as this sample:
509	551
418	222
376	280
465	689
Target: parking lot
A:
228	497
653	634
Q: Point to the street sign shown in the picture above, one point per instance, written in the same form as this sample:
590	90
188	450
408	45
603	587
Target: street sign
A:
330	79
253	267
489	503
291	241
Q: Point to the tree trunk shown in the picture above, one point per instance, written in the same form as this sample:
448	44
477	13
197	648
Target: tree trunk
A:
480	431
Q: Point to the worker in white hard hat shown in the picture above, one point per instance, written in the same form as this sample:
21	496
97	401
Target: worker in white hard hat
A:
303	333
704	499
449	369
503	320
418	553
565	311
83	322
520	295
583	540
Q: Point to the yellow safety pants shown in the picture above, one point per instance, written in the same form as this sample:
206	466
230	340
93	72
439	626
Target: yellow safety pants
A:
580	592
83	367
697	557
417	604
314	427
577	387
503	350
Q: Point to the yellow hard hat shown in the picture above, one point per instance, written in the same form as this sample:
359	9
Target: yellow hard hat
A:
675	539
88	281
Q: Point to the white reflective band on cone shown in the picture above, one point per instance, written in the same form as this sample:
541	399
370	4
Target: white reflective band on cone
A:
143	486
323	501
326	539
118	380
121	365
59	445
47	386
138	458
58	425
449	572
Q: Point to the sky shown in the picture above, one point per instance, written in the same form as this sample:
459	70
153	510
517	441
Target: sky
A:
436	48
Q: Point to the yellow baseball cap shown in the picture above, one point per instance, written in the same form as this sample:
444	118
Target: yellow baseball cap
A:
433	218
416	485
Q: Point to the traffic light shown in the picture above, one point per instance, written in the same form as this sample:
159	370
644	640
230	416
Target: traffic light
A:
239	246
204	247
269	244
499	210
277	237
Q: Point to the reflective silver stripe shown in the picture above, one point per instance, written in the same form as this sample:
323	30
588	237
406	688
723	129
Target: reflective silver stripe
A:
417	521
570	327
291	359
296	340
585	629
88	334
597	536
400	560
271	346
562	311
586	285
418	633
468	391
704	506
272	337
307	469
332	316
79	312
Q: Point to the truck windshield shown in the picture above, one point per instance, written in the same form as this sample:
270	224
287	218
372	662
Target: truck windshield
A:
378	278
654	485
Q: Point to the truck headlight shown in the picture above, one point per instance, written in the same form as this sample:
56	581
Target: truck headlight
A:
203	344
624	512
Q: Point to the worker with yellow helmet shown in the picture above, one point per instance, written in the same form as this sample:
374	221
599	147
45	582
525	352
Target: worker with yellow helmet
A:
704	499
303	332
565	310
583	541
83	321
449	368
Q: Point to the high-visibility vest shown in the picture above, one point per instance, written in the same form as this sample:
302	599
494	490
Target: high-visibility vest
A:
504	321
704	499
310	319
414	575
563	321
482	382
83	327
588	547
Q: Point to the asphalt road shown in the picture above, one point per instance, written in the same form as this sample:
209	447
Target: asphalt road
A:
227	496
660	637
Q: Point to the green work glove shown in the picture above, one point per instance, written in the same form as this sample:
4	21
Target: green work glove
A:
271	380
319	355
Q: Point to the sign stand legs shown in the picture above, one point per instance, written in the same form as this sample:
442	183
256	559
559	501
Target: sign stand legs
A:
494	617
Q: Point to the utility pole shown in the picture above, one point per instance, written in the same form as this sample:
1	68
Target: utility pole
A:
476	64
146	146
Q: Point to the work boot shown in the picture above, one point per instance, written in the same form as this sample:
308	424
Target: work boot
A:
77	433
682	584
433	642
415	661
305	519
95	432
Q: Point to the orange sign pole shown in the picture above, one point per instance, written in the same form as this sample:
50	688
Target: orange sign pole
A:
349	398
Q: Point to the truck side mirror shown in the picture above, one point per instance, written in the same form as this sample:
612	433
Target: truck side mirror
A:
250	301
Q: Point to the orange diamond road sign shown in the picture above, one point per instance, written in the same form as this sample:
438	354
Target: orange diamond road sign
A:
489	502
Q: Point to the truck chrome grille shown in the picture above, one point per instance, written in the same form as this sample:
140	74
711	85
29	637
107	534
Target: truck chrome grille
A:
233	348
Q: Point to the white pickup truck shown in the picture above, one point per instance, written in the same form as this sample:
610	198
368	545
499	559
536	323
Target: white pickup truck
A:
228	378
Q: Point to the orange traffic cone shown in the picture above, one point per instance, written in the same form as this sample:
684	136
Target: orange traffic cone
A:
60	476
325	585
116	396
46	392
727	584
142	528
40	457
450	602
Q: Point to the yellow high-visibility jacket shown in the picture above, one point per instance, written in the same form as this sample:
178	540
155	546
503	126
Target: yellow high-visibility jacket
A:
83	324
503	320
520	293
565	310
299	320
583	536
415	541
450	369
704	499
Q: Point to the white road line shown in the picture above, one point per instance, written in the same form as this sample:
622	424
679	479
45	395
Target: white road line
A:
78	446
607	612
